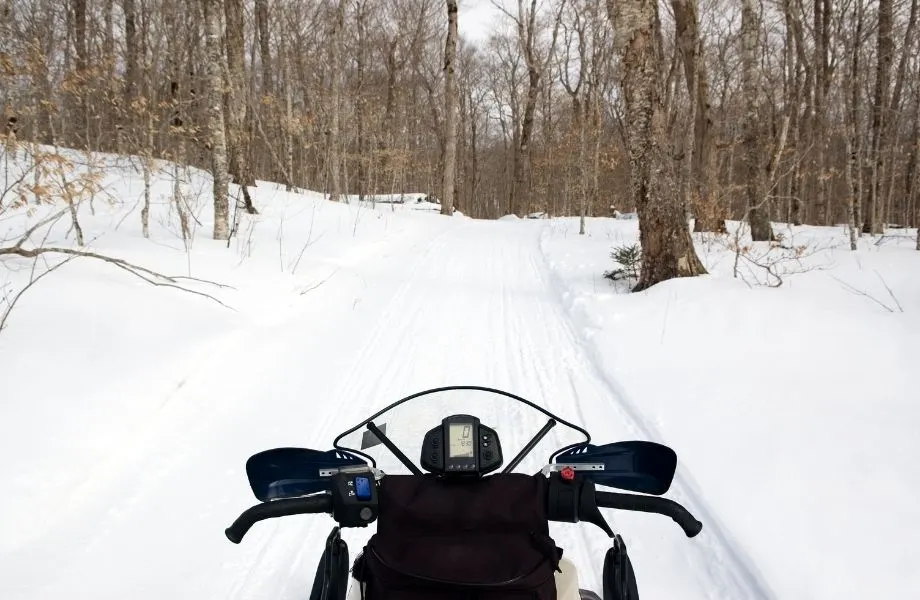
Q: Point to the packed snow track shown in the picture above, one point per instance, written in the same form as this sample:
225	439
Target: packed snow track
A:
460	302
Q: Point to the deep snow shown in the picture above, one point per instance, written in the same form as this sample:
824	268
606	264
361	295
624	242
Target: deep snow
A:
793	409
128	412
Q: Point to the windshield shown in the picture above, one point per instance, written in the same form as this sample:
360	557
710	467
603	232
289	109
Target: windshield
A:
515	420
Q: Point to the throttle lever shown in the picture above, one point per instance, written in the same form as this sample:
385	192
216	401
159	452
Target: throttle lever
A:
588	509
571	499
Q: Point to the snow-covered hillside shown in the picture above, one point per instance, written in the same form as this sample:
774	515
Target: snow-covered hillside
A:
127	411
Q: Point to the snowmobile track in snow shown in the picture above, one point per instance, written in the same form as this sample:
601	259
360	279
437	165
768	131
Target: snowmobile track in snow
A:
473	287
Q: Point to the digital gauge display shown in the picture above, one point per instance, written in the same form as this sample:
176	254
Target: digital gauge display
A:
461	447
461	440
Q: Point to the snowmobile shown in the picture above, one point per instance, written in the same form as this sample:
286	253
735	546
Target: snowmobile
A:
456	527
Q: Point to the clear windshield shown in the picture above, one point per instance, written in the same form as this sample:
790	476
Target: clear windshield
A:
514	419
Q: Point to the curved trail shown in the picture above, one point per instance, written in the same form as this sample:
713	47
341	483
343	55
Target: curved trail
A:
468	302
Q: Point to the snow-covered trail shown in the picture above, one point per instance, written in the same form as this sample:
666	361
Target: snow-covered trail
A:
464	302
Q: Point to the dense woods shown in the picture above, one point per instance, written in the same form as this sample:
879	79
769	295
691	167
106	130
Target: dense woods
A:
800	111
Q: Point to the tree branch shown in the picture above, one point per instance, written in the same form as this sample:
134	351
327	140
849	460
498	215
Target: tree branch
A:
147	275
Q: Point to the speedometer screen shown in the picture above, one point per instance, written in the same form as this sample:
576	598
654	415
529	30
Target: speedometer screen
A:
461	440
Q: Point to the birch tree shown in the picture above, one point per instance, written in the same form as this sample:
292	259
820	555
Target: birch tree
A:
216	137
853	139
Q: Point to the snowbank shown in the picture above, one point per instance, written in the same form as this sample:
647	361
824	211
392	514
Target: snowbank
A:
793	409
95	360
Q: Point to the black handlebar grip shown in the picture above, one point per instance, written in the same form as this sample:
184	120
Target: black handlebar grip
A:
651	504
276	508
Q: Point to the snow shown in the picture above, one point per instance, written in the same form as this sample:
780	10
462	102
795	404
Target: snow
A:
128	411
792	409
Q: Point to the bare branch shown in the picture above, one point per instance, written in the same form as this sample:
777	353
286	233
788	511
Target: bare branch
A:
890	293
147	275
862	293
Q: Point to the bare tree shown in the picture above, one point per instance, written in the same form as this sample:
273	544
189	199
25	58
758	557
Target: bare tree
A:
236	101
450	111
853	139
216	136
335	63
706	208
758	204
885	49
322	105
685	48
667	248
265	56
536	63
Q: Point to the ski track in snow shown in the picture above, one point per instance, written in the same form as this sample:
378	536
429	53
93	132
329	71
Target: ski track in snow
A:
466	302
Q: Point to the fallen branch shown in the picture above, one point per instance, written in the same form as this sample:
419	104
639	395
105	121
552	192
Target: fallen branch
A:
890	293
859	292
318	284
196	279
147	275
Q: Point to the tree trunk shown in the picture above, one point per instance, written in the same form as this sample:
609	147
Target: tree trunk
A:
795	86
804	132
851	115
892	125
687	46
265	56
179	155
450	111
667	248
217	138
131	51
822	17
131	70
361	102
757	199
885	49
82	89
335	59
235	99
287	123
710	214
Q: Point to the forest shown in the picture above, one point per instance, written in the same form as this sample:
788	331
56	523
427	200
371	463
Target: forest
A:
753	110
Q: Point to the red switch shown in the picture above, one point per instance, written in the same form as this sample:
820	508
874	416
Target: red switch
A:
567	474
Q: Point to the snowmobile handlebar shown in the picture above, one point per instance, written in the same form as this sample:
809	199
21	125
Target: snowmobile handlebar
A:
651	504
567	501
277	508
